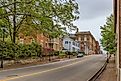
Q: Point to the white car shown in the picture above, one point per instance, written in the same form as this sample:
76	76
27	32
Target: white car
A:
80	55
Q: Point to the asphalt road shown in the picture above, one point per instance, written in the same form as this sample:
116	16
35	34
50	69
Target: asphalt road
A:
79	69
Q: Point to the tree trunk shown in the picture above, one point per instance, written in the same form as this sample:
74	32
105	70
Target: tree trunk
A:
14	23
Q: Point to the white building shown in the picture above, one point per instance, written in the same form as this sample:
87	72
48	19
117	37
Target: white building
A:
70	45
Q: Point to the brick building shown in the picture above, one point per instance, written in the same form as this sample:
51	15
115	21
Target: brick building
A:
97	48
44	41
88	44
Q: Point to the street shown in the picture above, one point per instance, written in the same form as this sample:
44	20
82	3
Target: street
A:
78	69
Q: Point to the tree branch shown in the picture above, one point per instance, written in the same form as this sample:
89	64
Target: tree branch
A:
19	24
14	3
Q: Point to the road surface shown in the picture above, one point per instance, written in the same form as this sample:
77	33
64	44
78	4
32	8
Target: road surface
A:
78	69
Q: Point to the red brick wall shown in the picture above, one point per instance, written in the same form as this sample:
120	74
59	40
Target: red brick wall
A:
43	40
40	39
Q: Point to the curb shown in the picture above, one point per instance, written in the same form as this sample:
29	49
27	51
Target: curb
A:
98	73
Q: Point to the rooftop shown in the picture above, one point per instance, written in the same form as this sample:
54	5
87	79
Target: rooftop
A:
85	33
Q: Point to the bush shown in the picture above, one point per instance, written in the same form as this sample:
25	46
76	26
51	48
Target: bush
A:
62	54
15	51
56	53
74	53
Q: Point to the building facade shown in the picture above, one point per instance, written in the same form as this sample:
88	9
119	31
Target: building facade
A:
44	41
98	51
88	44
70	45
117	17
56	43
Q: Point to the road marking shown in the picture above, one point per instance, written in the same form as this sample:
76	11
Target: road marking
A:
27	75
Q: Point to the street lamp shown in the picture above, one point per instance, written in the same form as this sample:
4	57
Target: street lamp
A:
69	49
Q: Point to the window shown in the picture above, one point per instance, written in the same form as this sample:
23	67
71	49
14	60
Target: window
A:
78	45
82	38
46	45
69	42
79	39
87	38
66	42
73	49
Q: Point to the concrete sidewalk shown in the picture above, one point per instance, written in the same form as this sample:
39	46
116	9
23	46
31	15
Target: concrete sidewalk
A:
109	73
30	62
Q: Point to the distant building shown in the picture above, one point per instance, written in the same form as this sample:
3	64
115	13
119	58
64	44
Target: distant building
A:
88	44
70	45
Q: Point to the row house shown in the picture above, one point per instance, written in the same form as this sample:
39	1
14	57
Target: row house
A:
70	45
44	41
80	41
88	44
56	43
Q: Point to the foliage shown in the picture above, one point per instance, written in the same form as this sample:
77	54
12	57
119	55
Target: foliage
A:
56	53
108	40
62	54
14	51
40	15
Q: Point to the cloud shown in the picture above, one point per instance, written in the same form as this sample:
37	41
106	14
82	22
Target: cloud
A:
90	9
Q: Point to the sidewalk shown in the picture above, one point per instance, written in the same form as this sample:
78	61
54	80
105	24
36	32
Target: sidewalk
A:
109	73
35	62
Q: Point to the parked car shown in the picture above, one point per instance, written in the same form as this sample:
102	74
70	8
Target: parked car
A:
80	54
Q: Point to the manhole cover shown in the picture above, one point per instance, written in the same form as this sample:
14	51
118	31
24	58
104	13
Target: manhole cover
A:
12	75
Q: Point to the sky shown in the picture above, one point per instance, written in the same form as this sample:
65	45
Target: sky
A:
92	15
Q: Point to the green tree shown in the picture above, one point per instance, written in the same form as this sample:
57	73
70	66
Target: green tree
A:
41	15
108	40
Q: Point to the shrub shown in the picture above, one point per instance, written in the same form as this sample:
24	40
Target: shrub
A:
18	51
56	53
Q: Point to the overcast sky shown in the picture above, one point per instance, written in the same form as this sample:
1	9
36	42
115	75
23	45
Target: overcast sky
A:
93	14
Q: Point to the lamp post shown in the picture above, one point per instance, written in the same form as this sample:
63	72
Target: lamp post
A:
69	49
85	48
2	48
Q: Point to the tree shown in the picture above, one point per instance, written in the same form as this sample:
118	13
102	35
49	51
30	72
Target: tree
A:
108	40
41	15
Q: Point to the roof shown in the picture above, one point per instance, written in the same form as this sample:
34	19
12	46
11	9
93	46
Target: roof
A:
85	33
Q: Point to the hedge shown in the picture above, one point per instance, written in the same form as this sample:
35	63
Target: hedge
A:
18	51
